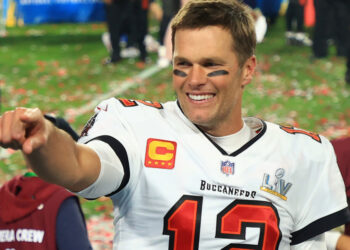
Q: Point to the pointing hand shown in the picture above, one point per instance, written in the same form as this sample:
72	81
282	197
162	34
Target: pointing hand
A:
24	129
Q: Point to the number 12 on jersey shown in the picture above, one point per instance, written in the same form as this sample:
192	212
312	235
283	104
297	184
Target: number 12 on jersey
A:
182	223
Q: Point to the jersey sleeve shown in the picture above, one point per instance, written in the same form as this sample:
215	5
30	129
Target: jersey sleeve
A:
109	125
332	238
111	174
320	200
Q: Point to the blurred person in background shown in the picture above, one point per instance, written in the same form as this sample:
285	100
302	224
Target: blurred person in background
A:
251	3
117	12
270	9
37	215
170	8
130	38
295	29
331	18
138	23
127	23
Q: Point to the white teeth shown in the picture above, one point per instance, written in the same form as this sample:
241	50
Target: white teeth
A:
200	97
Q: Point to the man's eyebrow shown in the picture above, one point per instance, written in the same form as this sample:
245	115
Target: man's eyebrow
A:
179	58
217	60
205	60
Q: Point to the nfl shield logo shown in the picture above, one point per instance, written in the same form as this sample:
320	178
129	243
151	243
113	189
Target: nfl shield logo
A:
227	167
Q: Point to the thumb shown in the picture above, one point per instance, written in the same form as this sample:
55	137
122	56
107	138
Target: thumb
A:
33	142
27	146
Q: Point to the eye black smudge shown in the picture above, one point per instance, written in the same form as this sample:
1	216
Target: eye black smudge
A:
179	73
218	73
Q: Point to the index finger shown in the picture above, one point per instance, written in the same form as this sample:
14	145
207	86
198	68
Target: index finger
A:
6	134
19	125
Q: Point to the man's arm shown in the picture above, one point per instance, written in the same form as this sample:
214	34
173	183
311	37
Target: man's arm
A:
51	152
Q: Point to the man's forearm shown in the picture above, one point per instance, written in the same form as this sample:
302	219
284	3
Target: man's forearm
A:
63	162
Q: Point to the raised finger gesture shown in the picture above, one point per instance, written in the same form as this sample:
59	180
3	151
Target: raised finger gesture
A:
24	129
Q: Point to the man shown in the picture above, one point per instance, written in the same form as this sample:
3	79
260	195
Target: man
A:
331	22
295	29
127	17
37	215
194	174
117	16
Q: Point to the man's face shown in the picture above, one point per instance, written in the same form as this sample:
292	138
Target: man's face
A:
208	80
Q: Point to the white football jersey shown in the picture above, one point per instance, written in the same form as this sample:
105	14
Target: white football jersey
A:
181	191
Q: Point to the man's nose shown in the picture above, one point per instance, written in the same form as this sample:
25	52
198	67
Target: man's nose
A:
197	75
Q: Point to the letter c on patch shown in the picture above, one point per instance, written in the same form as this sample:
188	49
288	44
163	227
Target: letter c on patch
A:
161	150
160	153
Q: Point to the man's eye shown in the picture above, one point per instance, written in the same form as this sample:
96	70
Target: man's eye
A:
183	64
210	64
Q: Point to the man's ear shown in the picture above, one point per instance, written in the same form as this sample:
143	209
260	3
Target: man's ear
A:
248	70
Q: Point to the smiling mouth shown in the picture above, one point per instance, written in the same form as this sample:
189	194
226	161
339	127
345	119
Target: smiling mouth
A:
200	97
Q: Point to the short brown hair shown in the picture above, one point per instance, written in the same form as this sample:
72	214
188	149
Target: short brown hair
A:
231	15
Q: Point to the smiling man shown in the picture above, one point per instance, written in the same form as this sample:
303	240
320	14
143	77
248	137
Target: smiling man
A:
193	173
209	80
